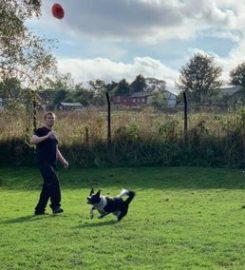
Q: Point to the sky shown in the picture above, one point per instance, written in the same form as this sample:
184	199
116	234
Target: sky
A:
115	39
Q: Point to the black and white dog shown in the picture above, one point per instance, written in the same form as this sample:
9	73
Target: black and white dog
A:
107	205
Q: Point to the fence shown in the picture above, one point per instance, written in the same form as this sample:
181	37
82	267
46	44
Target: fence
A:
107	137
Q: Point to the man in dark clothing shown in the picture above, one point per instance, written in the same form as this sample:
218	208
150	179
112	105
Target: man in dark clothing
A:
47	155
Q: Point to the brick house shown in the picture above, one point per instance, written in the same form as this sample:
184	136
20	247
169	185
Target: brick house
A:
134	100
141	98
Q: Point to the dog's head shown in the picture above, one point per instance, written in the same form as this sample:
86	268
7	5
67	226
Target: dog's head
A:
93	198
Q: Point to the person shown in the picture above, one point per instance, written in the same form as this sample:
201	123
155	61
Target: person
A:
48	153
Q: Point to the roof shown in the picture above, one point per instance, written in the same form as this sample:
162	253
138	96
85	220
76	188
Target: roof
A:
229	90
169	94
141	94
71	104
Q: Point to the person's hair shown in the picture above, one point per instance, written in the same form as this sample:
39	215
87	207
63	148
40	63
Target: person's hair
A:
48	113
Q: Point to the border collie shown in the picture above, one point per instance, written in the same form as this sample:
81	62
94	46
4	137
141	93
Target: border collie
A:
107	205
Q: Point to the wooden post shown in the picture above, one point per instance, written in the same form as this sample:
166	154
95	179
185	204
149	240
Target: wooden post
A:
34	105
86	136
108	119
185	118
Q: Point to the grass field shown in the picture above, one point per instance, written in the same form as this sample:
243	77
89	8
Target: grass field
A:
181	218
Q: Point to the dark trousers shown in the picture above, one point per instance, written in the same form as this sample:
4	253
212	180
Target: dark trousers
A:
50	189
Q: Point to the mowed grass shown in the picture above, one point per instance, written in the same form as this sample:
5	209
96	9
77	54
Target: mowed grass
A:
181	218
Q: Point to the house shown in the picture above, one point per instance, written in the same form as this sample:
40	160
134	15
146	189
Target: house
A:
69	106
230	90
139	99
133	100
232	94
171	99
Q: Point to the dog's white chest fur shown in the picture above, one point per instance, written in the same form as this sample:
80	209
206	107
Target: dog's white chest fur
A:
101	205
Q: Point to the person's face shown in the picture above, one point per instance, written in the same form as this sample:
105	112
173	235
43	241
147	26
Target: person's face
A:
49	120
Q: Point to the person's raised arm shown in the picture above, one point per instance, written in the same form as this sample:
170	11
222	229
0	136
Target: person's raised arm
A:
36	139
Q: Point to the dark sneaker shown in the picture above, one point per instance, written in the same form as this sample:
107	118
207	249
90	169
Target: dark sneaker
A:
39	213
58	211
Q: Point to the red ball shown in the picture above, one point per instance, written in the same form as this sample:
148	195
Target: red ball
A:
58	11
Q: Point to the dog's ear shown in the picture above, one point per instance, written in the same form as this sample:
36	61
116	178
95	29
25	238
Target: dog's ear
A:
98	193
92	191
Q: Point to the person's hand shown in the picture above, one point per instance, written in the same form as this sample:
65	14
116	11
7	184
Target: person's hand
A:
65	164
52	134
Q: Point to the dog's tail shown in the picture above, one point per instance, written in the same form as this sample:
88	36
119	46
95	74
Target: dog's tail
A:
130	195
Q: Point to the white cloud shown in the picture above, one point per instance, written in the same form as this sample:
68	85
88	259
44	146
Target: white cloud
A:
148	20
235	57
84	70
106	25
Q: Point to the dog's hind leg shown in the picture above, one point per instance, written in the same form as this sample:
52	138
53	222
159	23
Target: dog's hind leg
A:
121	214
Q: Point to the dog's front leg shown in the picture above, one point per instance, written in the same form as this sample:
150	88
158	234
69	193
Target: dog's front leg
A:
101	215
91	212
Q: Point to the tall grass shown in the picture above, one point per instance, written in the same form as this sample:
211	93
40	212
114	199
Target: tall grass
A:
138	138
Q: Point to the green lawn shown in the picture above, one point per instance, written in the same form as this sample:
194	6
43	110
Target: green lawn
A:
181	218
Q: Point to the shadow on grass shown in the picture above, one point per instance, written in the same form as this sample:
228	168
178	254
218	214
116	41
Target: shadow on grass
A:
29	218
97	224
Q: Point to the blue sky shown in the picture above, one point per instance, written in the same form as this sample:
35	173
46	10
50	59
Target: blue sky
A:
115	39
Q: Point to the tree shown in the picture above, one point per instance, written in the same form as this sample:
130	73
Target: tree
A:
158	100
122	88
22	54
10	88
60	95
110	86
238	75
100	89
200	78
60	82
138	84
84	96
238	78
